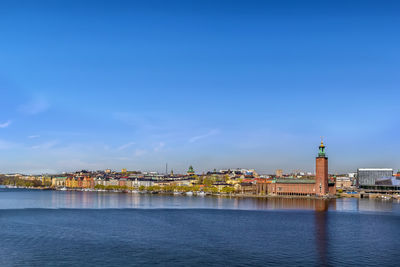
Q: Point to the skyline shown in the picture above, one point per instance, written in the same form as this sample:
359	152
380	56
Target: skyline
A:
213	84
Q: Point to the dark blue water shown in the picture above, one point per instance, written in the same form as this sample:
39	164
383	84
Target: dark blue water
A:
48	228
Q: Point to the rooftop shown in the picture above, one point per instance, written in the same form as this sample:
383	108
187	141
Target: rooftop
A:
295	181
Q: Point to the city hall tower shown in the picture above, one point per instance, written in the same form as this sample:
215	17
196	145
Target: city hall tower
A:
321	175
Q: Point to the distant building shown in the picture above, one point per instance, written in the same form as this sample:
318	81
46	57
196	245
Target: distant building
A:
279	173
391	181
352	175
368	176
58	181
190	171
343	182
124	170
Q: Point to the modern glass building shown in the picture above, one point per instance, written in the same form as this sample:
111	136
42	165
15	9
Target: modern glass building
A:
368	177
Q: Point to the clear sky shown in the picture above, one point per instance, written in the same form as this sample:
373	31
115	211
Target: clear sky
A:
213	84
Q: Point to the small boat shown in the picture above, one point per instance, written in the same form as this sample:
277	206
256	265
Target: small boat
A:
189	193
63	189
201	194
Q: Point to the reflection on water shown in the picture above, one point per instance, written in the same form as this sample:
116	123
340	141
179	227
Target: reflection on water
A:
20	198
321	231
200	230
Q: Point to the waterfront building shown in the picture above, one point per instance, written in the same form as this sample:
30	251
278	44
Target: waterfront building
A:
71	182
368	176
321	172
185	182
113	182
87	182
80	182
343	182
100	181
142	182
58	181
320	186
122	182
391	181
46	180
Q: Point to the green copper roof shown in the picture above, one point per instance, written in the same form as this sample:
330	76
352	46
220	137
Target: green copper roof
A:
295	181
321	152
191	170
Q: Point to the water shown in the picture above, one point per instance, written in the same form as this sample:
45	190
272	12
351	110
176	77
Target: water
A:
53	228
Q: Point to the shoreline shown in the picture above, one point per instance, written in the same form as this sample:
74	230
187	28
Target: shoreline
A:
202	194
190	193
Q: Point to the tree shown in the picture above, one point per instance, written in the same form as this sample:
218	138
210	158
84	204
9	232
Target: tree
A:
226	177
228	189
99	186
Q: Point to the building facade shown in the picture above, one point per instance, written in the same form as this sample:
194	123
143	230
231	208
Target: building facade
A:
58	181
279	173
320	186
321	172
368	176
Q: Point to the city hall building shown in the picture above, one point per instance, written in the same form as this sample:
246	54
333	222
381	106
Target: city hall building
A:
320	186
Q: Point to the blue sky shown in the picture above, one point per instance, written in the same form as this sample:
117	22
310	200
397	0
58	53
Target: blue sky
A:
213	84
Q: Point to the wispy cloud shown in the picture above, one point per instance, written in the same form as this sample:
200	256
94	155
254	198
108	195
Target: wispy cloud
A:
35	106
125	146
33	136
46	145
199	137
5	124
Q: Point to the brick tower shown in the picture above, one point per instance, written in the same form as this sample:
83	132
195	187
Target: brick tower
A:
321	176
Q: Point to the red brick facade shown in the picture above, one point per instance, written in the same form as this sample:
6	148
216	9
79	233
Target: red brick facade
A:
321	176
302	187
295	189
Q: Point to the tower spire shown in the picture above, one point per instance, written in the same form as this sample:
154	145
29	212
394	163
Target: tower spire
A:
321	152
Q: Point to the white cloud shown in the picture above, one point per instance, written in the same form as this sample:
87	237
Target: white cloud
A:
125	146
33	136
5	124
199	137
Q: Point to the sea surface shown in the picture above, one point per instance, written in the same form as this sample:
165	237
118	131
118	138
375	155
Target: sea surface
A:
66	228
